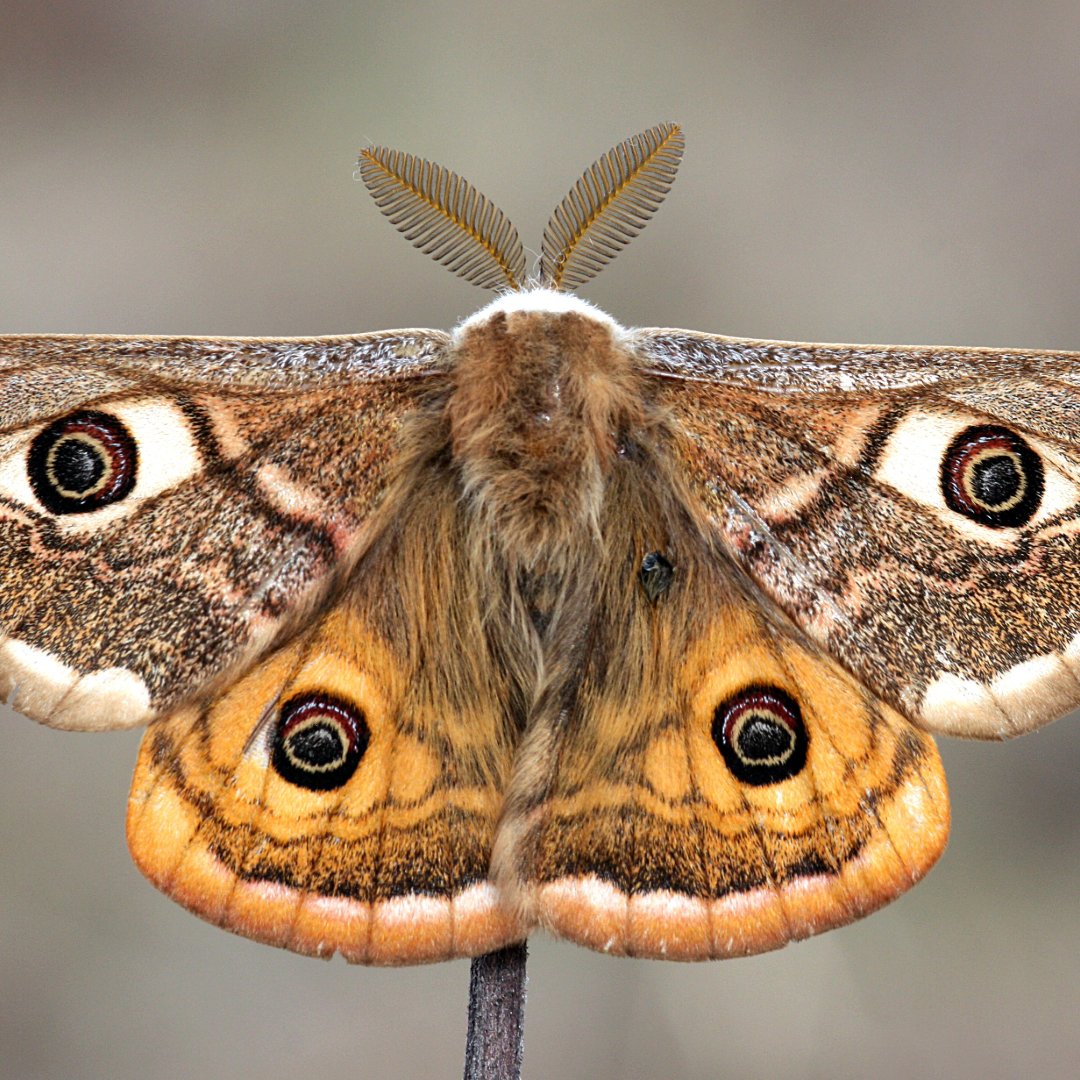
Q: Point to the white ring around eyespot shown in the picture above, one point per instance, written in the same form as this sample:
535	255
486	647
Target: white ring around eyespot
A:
167	456
910	462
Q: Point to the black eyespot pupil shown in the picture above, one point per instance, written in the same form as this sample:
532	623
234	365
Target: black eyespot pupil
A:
762	739
996	481
317	745
77	466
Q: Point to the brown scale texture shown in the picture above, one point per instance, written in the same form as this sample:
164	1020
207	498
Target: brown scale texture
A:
447	534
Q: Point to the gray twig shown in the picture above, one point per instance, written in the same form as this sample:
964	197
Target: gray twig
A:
496	1037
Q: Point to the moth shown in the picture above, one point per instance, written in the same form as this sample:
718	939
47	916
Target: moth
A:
638	636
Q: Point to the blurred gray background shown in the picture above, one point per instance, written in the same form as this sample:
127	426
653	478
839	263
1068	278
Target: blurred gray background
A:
855	171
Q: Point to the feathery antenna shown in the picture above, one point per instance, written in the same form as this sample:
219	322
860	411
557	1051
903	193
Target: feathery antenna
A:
609	206
445	216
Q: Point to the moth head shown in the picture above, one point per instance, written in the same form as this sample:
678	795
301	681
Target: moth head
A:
445	216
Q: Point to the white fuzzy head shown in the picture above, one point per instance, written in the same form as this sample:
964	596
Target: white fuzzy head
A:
542	300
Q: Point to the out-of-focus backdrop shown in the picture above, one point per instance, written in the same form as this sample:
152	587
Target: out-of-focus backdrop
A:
868	172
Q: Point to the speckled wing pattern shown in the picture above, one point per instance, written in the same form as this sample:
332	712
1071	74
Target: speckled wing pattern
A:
641	819
856	485
204	534
343	796
629	635
187	503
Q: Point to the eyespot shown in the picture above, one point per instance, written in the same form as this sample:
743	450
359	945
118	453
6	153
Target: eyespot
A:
981	480
761	735
319	741
82	462
991	475
94	467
